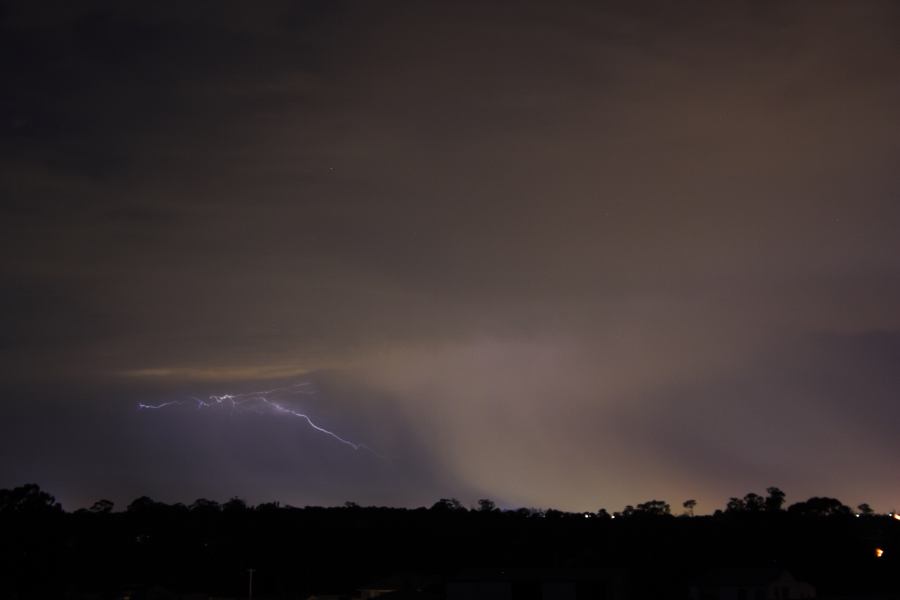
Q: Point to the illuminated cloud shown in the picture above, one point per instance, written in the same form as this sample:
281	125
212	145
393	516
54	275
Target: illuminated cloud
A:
199	374
579	254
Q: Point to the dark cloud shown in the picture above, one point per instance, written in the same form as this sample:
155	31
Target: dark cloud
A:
564	254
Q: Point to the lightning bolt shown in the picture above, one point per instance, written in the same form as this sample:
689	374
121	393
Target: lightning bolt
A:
245	401
158	406
306	418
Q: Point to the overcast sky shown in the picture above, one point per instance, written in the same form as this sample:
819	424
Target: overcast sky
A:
570	254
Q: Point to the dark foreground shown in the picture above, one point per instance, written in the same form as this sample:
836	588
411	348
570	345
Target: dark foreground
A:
752	550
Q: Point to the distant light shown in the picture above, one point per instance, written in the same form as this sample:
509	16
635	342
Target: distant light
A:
587	515
879	552
856	515
613	517
896	517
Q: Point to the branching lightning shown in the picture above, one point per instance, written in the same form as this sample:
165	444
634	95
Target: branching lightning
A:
158	406
260	401
306	418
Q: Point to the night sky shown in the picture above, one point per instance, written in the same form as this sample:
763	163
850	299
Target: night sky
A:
568	254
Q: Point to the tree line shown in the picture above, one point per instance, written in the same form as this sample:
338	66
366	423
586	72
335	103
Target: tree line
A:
207	546
30	498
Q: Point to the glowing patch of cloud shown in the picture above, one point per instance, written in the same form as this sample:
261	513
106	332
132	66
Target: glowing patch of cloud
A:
229	373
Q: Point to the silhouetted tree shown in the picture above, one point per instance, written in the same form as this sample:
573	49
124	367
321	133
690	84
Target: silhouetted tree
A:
775	499
448	505
754	503
102	507
204	505
234	505
735	505
750	503
143	504
487	506
655	508
865	509
689	506
820	507
27	499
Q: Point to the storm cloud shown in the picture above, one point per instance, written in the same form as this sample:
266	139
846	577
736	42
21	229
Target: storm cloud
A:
575	254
